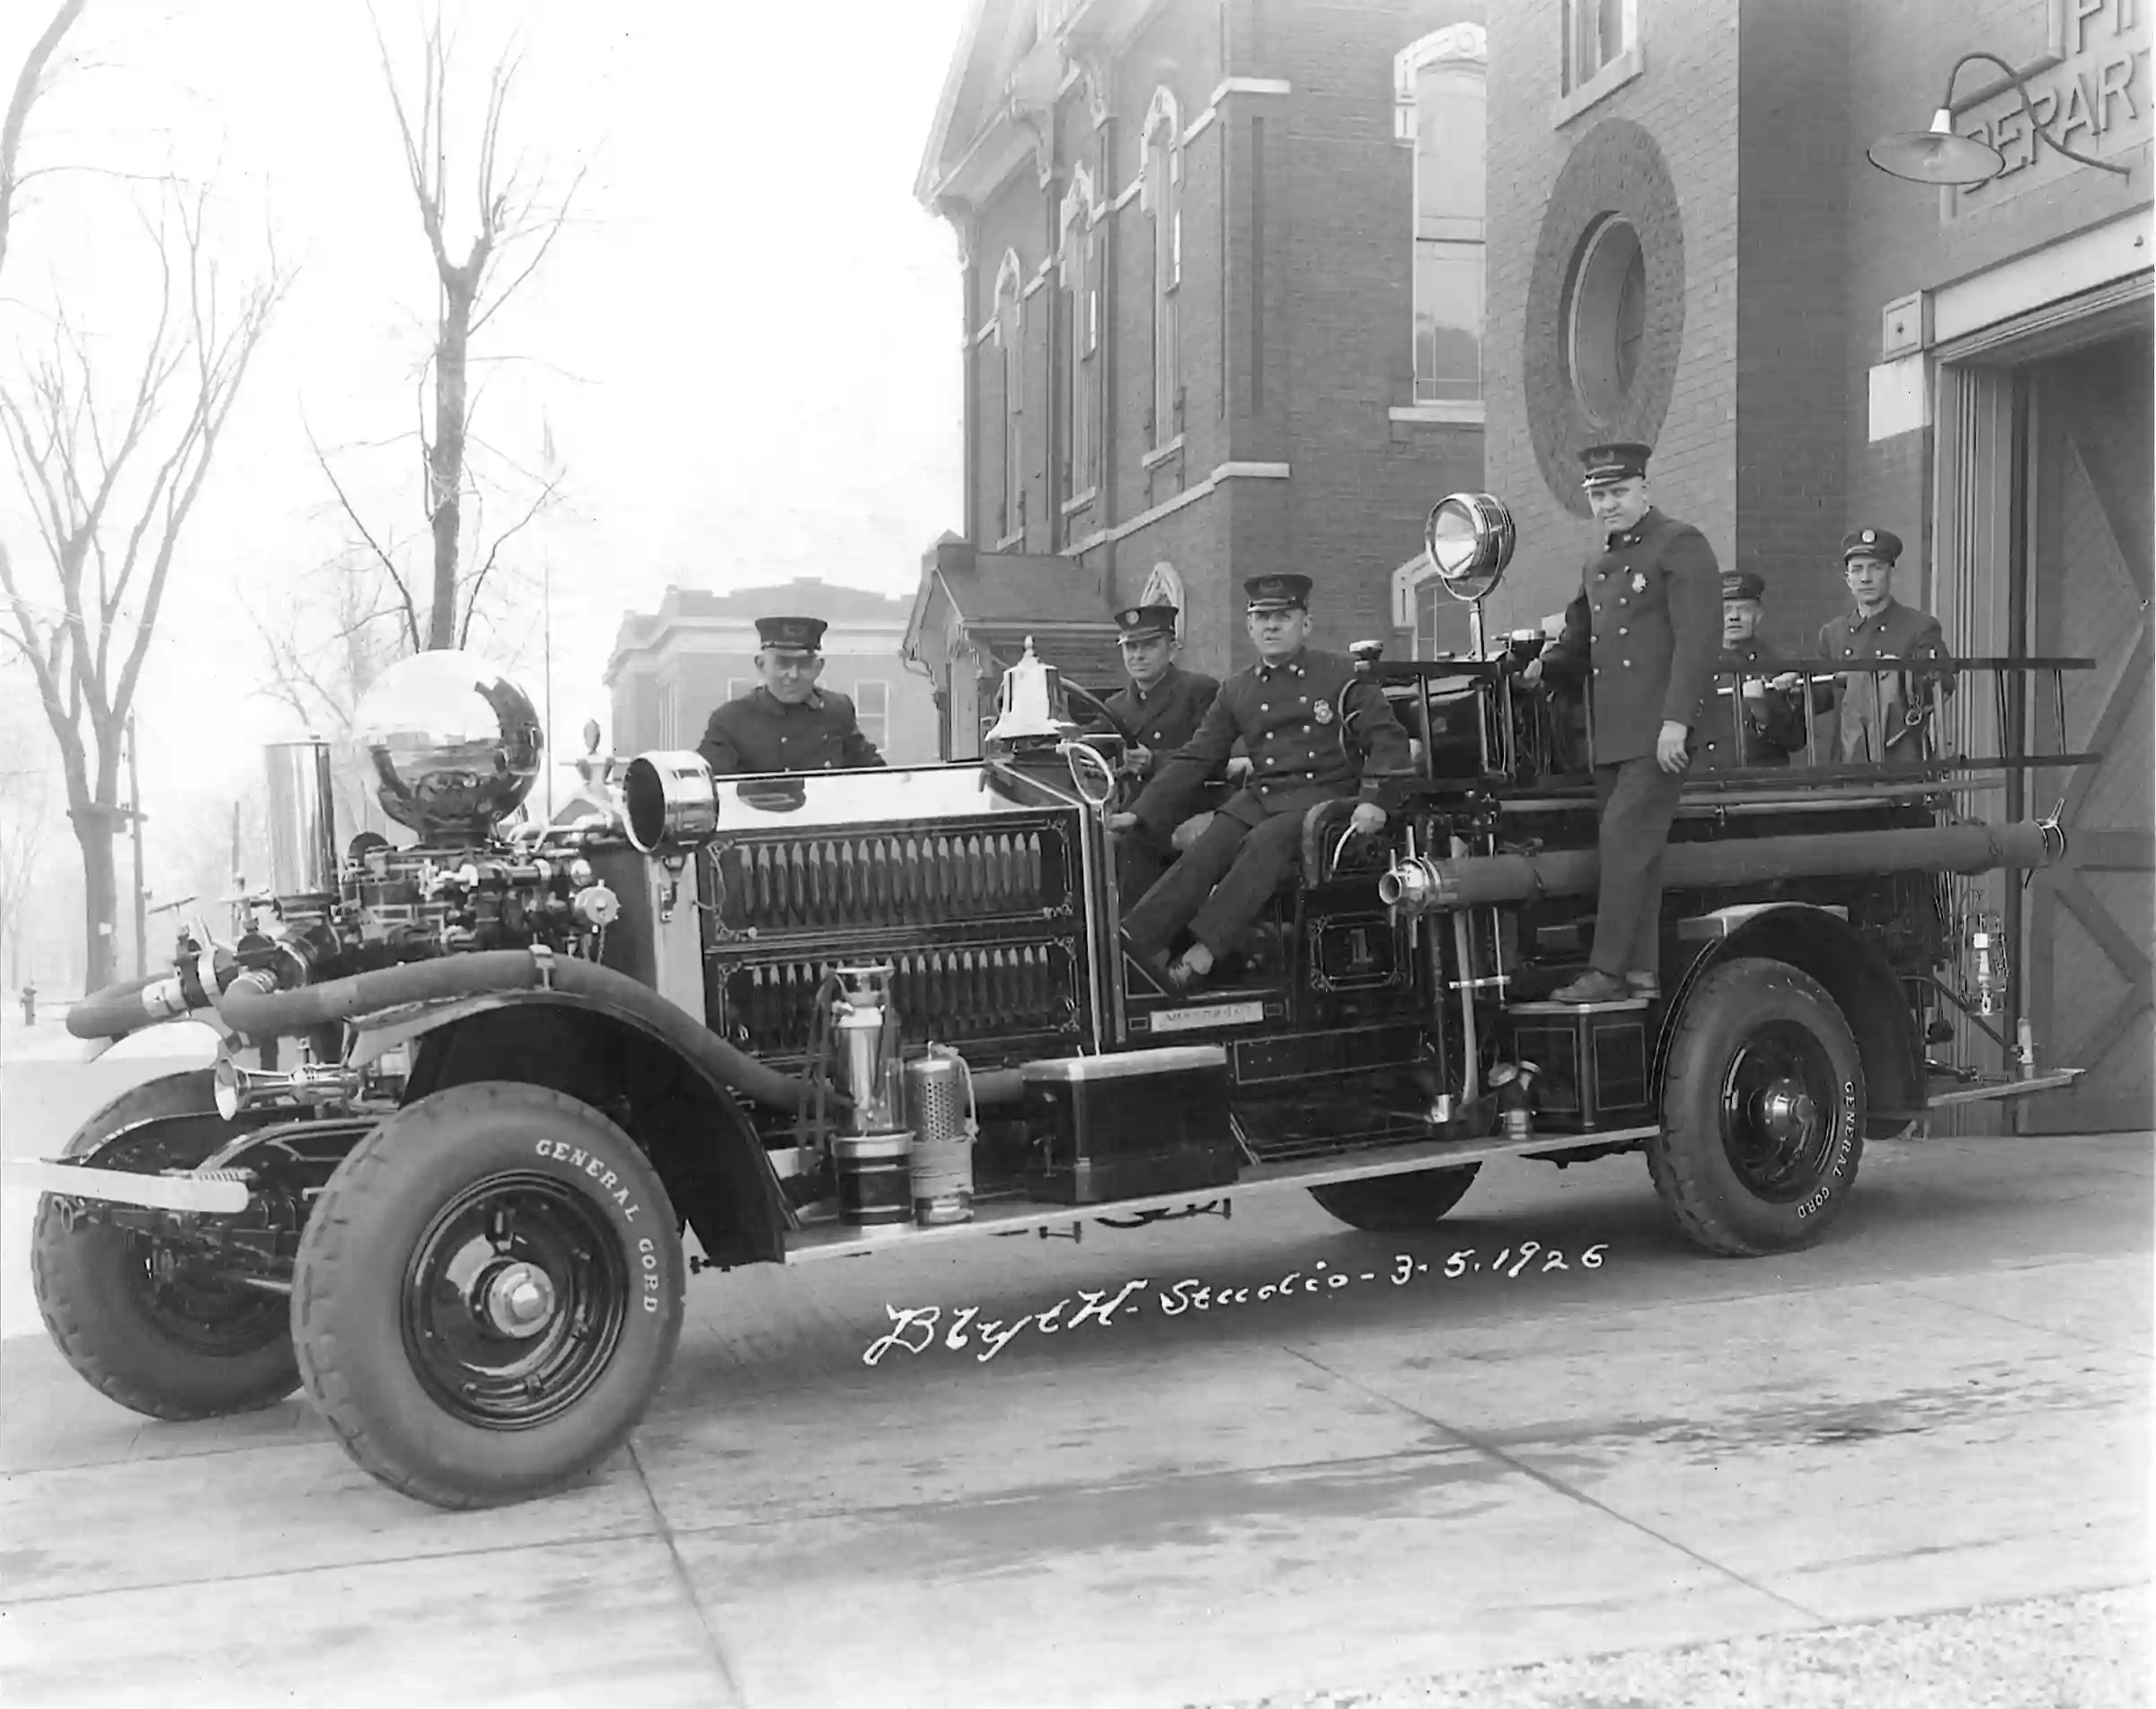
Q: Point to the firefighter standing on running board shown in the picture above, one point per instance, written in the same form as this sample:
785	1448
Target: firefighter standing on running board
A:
1644	631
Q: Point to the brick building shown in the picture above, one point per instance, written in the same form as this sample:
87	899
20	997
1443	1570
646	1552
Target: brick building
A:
671	667
1688	244
1222	310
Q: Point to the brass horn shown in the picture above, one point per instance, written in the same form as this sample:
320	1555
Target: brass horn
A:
239	1088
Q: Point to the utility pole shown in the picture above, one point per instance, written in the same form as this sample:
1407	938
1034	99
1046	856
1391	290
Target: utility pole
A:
142	924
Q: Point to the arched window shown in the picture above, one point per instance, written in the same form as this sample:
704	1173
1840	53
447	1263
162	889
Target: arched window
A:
1438	86
1010	340
1079	297
1161	195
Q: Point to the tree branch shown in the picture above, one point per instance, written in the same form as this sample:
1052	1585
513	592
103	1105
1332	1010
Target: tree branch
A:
19	104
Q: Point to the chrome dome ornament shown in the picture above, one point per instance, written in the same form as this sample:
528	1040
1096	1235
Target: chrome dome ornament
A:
454	744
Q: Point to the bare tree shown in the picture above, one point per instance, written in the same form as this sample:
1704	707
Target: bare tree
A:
112	491
29	84
26	824
517	222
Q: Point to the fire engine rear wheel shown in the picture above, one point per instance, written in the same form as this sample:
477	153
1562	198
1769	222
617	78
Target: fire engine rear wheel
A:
1398	1204
145	1322
1763	1111
488	1294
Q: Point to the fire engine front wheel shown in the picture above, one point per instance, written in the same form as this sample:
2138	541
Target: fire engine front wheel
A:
1763	1111
1396	1204
151	1322
488	1294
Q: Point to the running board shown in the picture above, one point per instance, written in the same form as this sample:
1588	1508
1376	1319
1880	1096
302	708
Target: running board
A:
1989	1090
842	1240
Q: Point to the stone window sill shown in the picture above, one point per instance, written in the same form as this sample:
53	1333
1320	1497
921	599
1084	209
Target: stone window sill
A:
1453	409
1166	453
1010	542
1078	502
1604	82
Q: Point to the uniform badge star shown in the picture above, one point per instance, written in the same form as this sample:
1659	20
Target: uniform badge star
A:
1322	712
1639	582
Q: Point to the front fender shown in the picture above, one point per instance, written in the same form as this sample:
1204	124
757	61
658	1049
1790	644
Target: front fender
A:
688	1122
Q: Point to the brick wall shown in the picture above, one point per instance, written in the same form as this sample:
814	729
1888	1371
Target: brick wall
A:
1686	97
1792	389
1341	358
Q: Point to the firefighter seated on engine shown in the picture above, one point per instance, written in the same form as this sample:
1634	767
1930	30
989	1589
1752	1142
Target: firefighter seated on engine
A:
1158	711
1770	718
786	723
1316	730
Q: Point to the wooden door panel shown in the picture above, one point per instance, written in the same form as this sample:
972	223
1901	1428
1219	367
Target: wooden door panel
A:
2087	988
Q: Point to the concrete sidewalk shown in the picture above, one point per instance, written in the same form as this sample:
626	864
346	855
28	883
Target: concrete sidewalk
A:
1947	1405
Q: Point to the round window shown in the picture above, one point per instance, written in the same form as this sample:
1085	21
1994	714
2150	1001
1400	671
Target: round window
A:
1606	318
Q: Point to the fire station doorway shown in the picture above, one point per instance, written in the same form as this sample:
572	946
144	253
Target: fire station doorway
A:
2084	444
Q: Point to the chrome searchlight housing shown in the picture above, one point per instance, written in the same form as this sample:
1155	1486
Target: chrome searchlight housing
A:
1471	537
670	802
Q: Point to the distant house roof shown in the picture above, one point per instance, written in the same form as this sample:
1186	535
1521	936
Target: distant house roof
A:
843	607
1000	599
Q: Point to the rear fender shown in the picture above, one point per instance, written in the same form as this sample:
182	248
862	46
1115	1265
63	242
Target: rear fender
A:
695	1132
1864	988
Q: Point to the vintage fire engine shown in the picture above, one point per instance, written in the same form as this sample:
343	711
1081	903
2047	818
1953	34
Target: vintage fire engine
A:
501	1074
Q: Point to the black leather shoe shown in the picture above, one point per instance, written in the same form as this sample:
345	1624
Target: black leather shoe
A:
1644	984
1594	986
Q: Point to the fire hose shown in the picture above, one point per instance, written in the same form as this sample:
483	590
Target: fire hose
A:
250	1003
1425	885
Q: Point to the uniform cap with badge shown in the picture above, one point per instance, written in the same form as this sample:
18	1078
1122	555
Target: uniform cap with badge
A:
1882	544
1743	584
1606	466
798	635
1279	593
1147	622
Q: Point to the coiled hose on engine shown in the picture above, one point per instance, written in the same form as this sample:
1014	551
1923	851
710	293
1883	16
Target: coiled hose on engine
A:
253	1006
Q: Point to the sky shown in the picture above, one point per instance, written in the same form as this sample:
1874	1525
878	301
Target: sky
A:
746	342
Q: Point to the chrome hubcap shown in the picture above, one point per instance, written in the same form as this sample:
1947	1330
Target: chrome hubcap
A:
517	1300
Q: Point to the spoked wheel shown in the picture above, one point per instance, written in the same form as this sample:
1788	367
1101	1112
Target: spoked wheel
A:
488	1294
148	1321
1763	1111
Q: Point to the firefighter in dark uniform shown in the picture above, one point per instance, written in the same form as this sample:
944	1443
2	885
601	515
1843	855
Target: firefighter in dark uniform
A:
1772	716
786	723
1316	730
1881	717
1157	714
1642	634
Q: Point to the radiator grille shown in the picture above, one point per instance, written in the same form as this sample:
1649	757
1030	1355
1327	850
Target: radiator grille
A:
953	995
889	879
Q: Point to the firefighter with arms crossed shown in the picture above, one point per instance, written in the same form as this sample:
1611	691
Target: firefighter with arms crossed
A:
786	723
1316	730
1157	714
1642	634
1773	716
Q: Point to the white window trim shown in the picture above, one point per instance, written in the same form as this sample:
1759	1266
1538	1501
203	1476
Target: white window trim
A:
1160	454
1009	290
1461	44
1573	100
1080	210
1457	43
1164	201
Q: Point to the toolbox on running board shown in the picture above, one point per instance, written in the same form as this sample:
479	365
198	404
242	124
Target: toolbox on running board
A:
1144	1121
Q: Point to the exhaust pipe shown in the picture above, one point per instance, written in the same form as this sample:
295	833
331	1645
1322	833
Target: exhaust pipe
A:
1420	884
